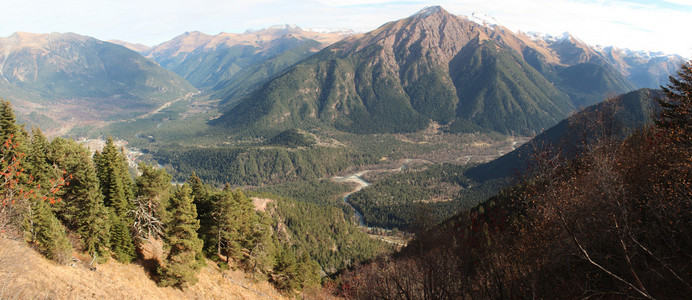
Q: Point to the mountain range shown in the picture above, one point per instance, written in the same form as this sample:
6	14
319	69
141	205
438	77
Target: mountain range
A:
462	73
69	77
233	63
435	66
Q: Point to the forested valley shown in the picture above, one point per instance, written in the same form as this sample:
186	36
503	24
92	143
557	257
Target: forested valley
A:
60	199
612	222
438	156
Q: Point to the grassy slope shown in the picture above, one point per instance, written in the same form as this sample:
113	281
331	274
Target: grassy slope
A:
24	274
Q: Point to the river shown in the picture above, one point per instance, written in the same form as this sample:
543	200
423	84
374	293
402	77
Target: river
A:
360	184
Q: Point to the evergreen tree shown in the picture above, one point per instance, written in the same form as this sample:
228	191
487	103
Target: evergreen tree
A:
204	204
677	105
114	177
8	123
47	234
82	207
201	195
37	163
234	225
152	195
12	133
285	273
116	186
181	242
122	245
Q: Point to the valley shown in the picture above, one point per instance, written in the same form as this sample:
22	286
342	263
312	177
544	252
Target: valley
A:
437	156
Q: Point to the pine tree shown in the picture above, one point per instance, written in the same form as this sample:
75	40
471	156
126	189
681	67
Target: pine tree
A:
234	225
677	105
181	242
82	207
285	273
8	122
47	234
152	195
116	186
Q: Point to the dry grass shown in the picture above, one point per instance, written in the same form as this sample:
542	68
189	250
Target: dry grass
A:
24	274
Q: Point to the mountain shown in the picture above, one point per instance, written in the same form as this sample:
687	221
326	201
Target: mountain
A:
70	77
132	46
643	69
229	61
619	116
432	66
68	65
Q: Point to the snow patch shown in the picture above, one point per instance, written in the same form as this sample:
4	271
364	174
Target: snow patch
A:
483	19
428	11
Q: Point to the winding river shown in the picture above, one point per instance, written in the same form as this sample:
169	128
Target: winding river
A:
360	184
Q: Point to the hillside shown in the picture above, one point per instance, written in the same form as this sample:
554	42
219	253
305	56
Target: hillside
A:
430	66
229	63
68	78
610	221
624	114
25	274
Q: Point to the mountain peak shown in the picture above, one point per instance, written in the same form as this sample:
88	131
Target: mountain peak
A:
428	11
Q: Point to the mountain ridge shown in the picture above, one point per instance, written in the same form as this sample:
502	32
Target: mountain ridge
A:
403	69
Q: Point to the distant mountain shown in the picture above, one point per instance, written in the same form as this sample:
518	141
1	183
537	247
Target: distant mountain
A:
642	68
620	116
132	46
69	76
430	66
231	63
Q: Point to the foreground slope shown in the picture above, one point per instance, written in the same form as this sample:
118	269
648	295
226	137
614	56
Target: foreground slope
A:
611	221
24	274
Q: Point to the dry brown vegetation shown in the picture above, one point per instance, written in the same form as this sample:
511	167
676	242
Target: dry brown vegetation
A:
24	274
612	223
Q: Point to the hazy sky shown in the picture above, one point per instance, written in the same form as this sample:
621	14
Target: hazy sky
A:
657	25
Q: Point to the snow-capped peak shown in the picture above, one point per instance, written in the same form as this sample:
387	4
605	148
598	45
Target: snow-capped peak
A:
430	10
483	19
539	36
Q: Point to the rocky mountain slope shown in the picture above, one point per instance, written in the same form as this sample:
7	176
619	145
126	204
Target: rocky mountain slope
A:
618	117
231	62
66	77
432	66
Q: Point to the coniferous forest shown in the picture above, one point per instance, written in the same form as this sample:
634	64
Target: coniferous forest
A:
437	156
60	198
612	222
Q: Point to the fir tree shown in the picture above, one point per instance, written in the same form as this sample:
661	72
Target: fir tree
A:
47	234
116	186
152	195
114	177
181	242
82	205
37	163
677	105
8	122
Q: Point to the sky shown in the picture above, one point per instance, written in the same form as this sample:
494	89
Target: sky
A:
653	25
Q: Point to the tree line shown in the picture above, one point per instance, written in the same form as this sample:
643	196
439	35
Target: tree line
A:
54	189
612	222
